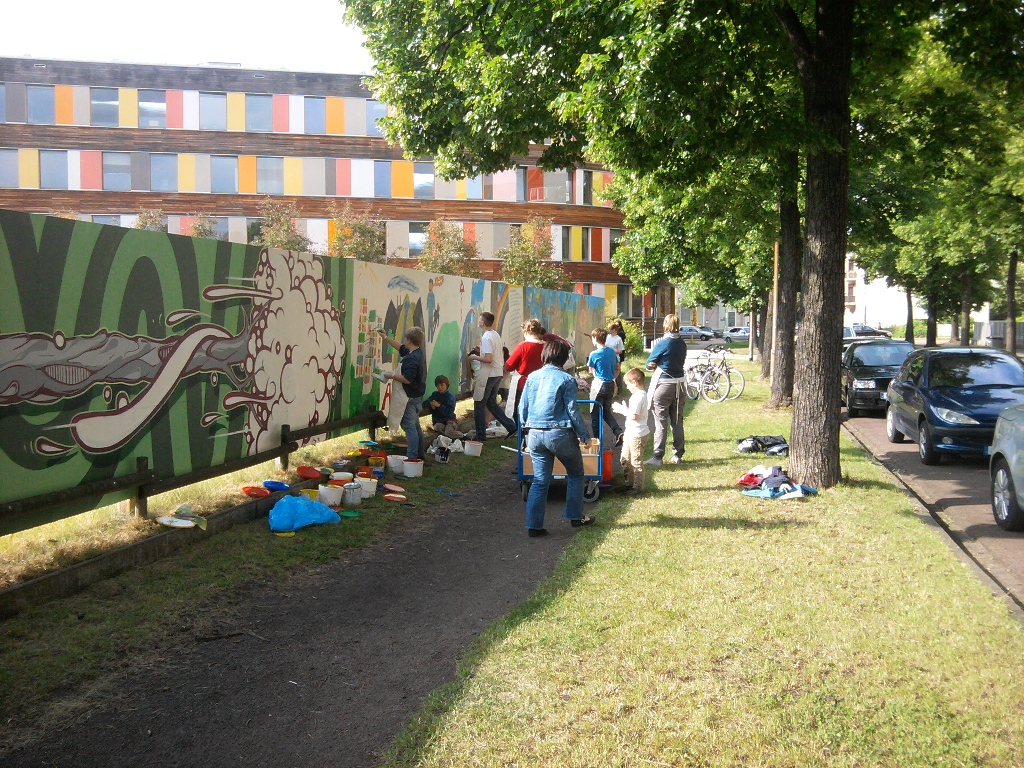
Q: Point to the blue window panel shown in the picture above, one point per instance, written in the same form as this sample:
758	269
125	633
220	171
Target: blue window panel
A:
382	178
375	110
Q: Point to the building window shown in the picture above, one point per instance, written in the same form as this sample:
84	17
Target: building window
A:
103	106
152	109
253	230
566	243
163	172
423	181
3	103
270	175
382	178
521	185
53	169
615	237
220	227
117	171
588	188
213	111
588	289
259	113
114	221
316	114
622	291
374	112
224	174
417	237
41	105
586	244
475	188
9	168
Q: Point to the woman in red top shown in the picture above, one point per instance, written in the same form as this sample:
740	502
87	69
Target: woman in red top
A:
524	360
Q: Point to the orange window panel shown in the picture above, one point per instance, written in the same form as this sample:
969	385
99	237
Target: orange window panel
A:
401	178
469	232
246	173
64	98
335	115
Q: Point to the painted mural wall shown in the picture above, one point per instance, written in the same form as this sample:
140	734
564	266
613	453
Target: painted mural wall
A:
118	343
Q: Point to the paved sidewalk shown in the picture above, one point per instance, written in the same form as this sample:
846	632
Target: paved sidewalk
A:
957	490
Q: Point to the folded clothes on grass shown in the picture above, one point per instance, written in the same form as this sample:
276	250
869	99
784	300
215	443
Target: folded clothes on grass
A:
784	491
776	445
773	483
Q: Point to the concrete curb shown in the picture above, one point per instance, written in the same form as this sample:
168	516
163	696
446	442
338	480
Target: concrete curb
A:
75	578
960	547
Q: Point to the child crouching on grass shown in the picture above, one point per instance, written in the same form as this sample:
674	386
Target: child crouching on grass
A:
441	405
635	435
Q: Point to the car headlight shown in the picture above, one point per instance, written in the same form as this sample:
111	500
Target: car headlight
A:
954	417
863	383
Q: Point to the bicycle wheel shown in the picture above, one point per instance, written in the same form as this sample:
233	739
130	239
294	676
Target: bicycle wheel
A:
736	383
714	386
691	384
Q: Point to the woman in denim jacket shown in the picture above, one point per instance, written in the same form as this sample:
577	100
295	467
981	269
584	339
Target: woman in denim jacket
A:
555	426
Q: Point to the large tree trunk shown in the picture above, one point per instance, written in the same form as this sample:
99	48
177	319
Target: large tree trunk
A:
764	341
908	335
824	67
789	284
932	334
954	328
965	312
1011	304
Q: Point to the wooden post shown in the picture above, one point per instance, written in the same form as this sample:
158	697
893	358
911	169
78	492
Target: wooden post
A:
141	503
282	463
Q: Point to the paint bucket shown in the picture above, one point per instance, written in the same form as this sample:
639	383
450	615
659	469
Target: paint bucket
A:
396	463
379	473
310	493
330	495
346	476
412	467
473	447
377	462
364	472
351	495
369	486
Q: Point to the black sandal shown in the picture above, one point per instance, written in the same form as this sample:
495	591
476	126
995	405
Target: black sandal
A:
585	520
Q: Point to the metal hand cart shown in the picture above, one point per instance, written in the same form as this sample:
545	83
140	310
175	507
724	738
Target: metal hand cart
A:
591	488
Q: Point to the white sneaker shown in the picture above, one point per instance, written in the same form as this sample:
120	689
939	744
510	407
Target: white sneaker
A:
654	461
674	459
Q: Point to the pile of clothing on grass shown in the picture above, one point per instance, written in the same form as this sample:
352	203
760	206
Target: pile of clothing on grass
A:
772	445
773	483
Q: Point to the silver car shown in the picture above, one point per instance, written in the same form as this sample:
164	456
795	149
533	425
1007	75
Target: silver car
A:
736	333
1006	469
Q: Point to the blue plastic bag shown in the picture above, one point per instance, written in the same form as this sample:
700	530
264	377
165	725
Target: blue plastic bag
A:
294	512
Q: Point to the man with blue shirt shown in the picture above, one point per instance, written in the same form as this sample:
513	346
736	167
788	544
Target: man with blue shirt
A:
668	361
604	365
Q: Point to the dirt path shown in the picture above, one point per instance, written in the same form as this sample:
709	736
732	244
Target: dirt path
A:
325	670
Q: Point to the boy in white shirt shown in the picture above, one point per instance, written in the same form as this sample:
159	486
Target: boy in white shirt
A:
635	435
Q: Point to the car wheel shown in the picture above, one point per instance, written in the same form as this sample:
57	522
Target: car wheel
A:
1005	508
727	339
893	434
851	411
925	445
704	338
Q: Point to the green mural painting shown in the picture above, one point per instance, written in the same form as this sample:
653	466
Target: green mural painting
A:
117	344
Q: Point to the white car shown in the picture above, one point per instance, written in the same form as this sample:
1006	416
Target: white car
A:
1006	469
736	334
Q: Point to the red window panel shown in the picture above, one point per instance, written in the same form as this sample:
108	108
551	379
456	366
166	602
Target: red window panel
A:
595	244
280	113
535	185
469	232
343	178
175	109
92	169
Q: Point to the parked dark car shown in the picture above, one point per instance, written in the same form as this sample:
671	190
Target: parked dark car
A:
868	367
711	333
948	399
859	329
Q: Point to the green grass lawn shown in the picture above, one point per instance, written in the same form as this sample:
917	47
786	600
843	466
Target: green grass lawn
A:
698	627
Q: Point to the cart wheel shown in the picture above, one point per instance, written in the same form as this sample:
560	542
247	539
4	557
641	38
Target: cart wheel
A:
591	492
524	486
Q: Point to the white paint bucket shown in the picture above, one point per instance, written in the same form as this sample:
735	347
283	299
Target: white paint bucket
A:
346	476
369	485
412	468
329	495
473	447
396	463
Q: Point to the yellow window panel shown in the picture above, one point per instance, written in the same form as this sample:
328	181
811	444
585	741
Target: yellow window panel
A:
28	168
236	111
128	107
293	175
460	189
401	179
247	174
577	243
335	115
186	173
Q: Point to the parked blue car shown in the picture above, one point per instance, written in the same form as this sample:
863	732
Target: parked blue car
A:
948	399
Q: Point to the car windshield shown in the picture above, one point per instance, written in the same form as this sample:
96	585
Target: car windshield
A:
974	371
878	355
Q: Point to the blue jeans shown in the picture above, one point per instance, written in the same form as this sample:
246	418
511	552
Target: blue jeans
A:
413	431
545	446
490	402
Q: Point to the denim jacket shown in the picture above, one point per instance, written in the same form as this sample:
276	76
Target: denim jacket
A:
549	401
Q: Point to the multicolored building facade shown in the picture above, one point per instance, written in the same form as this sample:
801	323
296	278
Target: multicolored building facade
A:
103	141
